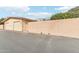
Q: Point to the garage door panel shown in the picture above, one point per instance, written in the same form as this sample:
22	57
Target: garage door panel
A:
8	26
17	26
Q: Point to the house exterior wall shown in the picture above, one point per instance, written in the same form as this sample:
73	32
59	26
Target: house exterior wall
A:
16	25
1	27
65	27
13	24
25	25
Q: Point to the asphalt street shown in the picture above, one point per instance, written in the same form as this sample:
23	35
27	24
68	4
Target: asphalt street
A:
21	42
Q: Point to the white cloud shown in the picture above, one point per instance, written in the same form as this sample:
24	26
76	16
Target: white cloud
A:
64	8
23	9
40	15
13	13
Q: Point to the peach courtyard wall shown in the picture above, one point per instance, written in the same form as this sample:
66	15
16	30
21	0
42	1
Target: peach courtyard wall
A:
64	27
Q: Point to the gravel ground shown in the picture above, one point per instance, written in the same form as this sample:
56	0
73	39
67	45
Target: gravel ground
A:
20	42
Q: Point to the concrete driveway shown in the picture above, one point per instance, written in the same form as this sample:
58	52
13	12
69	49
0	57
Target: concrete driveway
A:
19	42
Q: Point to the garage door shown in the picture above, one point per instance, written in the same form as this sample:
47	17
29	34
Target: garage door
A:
8	26
17	26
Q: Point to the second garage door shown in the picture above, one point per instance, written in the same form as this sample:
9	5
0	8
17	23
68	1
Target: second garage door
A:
17	26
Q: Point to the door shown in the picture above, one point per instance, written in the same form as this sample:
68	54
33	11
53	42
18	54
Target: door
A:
17	26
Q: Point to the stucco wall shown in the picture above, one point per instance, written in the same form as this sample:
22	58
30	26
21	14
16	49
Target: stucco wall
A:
65	27
25	25
16	25
1	27
12	24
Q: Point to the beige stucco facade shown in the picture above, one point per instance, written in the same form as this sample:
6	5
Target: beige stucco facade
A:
64	27
25	25
16	24
1	26
13	24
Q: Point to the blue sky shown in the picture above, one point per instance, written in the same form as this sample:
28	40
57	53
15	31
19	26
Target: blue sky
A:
34	12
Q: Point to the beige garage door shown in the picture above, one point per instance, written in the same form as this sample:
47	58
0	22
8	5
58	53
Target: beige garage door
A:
8	26
17	26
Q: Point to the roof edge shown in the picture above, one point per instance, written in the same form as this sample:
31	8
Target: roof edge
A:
22	18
